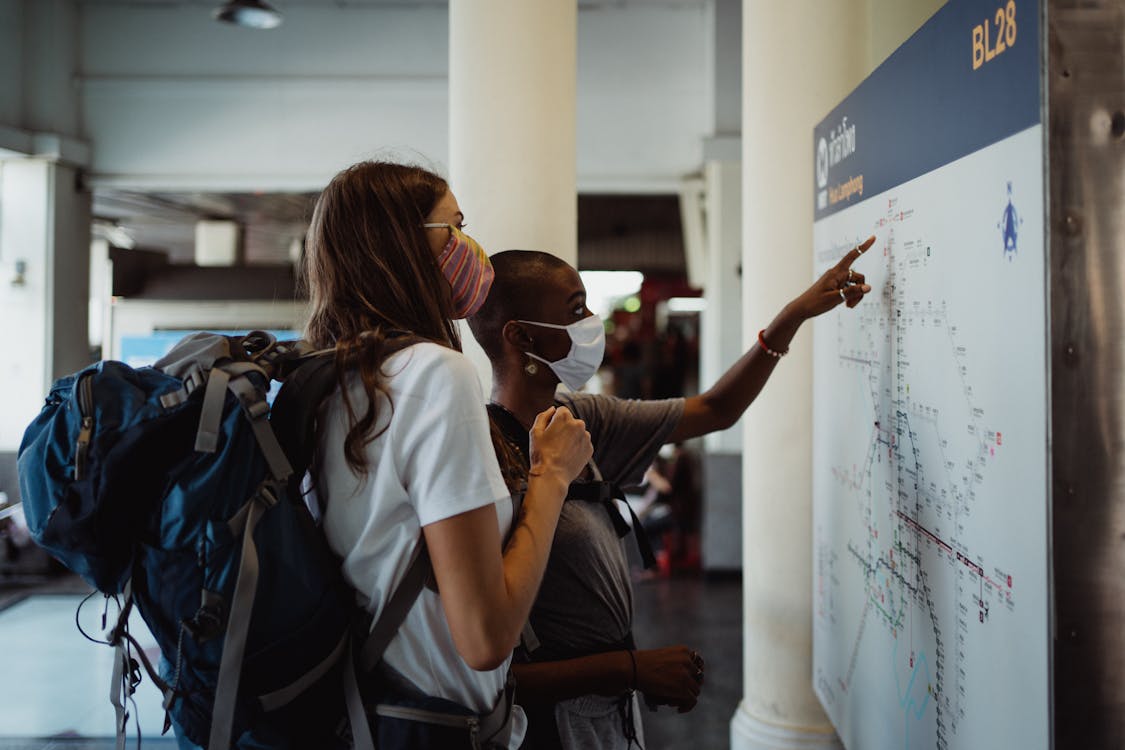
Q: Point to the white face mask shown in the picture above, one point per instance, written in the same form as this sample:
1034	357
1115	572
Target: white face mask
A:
587	347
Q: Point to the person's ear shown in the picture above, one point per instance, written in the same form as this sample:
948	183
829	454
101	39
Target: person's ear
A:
516	335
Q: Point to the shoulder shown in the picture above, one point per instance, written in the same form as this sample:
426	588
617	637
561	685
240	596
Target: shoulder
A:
428	354
428	362
433	377
590	405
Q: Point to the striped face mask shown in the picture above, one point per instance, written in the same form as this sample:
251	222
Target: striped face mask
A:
467	269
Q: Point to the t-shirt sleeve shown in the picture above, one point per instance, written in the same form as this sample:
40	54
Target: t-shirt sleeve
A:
626	433
443	451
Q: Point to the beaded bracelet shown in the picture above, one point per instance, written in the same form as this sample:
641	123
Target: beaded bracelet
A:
765	347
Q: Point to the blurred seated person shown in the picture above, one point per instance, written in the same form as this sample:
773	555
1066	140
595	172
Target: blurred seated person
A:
672	508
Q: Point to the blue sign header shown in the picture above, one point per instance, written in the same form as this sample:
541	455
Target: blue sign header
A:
968	78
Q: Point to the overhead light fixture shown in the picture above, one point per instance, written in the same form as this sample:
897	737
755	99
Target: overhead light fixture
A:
253	14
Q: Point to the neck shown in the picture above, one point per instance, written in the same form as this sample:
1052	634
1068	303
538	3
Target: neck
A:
524	396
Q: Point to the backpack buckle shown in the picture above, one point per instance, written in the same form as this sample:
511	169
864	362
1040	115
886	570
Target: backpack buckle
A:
268	495
256	409
209	620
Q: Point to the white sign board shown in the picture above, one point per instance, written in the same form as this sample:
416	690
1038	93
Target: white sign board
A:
931	398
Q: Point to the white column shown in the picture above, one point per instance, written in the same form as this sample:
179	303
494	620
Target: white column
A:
721	346
512	96
44	285
799	59
512	152
721	321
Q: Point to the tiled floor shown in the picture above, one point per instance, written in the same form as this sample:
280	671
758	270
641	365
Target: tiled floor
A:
54	683
705	615
61	679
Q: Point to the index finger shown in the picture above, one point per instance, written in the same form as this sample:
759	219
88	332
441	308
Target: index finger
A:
561	412
543	418
854	253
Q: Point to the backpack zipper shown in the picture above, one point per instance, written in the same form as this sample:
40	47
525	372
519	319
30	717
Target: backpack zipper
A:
85	399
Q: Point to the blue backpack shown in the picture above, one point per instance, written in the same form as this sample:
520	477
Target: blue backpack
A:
177	488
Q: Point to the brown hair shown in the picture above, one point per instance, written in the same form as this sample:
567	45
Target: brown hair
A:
375	285
372	277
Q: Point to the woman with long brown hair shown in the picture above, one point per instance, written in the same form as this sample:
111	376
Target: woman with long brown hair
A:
405	463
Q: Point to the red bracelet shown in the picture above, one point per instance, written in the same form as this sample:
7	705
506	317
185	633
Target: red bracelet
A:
765	347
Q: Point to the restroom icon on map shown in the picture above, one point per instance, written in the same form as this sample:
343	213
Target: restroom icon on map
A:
1009	226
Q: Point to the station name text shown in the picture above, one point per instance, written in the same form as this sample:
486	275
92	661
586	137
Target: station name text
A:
995	35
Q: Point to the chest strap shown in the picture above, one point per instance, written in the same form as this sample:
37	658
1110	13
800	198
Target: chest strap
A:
606	493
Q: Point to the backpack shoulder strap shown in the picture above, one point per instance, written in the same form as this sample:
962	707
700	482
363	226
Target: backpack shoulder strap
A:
294	421
309	377
293	416
395	611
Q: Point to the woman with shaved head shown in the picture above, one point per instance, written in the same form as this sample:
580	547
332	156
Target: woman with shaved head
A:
578	668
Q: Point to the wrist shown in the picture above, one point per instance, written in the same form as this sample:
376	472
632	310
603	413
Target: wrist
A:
790	319
781	330
629	669
549	480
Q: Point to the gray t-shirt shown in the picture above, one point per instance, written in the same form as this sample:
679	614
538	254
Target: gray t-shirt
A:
585	602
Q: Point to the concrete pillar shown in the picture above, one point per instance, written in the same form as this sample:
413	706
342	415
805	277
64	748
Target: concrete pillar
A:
721	322
512	149
720	346
512	99
44	285
799	59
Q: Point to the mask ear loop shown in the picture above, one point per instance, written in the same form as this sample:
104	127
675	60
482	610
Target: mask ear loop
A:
531	368
449	243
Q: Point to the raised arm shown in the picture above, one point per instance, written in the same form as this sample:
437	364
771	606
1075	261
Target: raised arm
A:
721	405
487	596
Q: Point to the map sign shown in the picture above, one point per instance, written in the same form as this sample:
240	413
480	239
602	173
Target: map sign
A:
930	398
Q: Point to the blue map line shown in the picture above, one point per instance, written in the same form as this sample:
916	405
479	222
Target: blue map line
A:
906	701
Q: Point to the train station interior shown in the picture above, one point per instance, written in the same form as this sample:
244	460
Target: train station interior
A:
159	165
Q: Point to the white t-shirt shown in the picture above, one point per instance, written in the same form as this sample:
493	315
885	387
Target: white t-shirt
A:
434	460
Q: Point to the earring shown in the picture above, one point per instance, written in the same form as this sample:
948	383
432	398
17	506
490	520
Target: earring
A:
531	368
